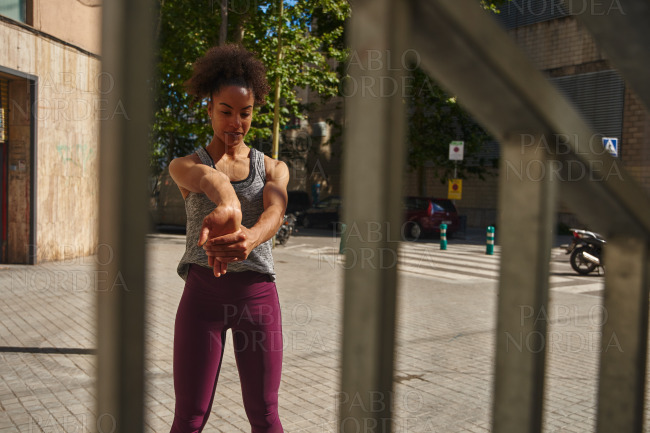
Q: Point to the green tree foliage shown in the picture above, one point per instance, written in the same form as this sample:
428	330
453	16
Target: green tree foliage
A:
313	56
310	51
184	34
435	119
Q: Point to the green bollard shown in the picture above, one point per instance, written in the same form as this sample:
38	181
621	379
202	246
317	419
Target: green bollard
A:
342	244
490	241
443	236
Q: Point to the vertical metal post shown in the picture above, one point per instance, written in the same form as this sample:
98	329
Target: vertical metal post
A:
126	78
373	167
489	240
527	209
443	236
624	342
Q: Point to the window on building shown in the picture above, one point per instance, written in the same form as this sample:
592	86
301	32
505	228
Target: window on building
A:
518	13
14	9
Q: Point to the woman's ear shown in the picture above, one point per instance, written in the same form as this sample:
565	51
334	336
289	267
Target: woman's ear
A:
210	108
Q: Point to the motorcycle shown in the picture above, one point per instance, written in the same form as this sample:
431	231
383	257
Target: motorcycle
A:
286	229
586	251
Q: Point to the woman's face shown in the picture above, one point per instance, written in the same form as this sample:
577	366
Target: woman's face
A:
231	112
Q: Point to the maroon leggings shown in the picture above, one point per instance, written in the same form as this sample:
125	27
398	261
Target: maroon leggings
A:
247	303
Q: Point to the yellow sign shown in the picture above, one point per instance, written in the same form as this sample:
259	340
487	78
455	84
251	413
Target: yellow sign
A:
455	190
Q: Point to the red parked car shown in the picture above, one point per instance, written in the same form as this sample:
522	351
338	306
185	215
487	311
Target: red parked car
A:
424	216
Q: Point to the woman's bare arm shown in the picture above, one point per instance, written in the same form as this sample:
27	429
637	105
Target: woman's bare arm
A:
237	246
192	176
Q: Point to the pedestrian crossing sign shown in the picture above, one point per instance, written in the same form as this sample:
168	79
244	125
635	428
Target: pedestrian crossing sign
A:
611	145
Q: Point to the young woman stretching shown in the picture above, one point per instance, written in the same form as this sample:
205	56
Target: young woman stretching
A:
235	198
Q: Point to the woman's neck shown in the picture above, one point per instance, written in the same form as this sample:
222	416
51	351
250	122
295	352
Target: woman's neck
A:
218	149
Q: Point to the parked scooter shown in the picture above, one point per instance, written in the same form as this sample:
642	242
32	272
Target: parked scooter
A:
286	229
586	251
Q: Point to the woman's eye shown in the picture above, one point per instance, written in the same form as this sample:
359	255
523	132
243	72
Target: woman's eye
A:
226	112
245	114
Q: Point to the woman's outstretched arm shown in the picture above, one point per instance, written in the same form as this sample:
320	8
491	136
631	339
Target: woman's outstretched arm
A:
191	176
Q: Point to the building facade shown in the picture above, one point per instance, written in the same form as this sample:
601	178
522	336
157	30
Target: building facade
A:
566	53
51	89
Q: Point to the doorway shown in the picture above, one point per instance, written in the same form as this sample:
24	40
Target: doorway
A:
17	167
4	103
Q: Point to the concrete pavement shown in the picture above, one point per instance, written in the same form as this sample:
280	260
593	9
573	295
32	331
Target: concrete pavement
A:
445	341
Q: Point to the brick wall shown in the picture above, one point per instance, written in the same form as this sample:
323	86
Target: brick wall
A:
558	44
559	48
635	143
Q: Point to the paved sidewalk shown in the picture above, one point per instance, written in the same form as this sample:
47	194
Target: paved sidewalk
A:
445	341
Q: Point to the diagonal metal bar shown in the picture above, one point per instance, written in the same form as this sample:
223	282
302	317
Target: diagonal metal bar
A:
620	29
464	49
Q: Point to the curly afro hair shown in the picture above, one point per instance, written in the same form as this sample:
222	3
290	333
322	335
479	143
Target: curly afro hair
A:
228	65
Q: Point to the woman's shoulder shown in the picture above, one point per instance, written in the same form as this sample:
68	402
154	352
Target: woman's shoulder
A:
274	168
179	166
270	162
192	157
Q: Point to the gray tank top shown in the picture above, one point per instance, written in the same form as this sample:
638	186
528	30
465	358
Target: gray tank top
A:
250	194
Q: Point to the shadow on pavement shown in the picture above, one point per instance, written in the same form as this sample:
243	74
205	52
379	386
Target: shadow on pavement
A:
472	236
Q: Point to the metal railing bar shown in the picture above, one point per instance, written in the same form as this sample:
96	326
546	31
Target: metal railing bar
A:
373	166
471	56
527	209
624	340
127	54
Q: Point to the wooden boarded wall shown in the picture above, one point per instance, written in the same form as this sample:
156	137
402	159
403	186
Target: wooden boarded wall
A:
68	108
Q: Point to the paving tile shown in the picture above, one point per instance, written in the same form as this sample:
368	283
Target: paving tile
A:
444	337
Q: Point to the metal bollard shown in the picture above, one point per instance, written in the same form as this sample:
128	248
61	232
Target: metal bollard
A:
490	241
443	236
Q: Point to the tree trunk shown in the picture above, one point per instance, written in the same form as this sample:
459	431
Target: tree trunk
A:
223	31
238	37
170	148
276	99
